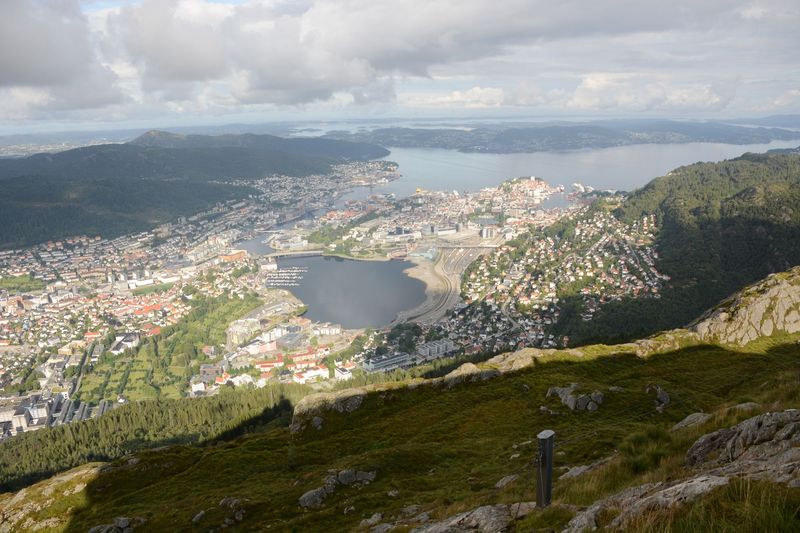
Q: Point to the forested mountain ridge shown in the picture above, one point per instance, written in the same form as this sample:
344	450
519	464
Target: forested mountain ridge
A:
113	189
536	137
721	226
418	454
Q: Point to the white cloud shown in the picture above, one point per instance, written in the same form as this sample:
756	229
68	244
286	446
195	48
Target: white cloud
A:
201	56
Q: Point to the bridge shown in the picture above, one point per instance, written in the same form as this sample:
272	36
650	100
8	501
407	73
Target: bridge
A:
295	253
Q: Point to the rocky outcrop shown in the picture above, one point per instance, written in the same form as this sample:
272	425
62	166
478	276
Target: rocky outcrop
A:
311	408
469	372
768	307
486	519
315	498
580	402
764	447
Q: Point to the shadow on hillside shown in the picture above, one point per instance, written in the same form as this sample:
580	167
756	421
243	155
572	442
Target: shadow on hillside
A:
698	378
179	457
708	261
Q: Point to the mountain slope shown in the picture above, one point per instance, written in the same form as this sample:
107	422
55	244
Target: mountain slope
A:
114	189
721	226
408	455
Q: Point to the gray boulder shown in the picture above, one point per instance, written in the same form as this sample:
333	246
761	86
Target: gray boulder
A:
486	519
314	498
507	480
694	419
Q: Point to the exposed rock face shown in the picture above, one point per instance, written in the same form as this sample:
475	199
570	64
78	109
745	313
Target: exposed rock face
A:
581	402
694	419
310	408
469	372
770	306
486	519
315	498
763	447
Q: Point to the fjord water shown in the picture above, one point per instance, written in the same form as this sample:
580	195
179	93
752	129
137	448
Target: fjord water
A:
355	294
360	294
620	168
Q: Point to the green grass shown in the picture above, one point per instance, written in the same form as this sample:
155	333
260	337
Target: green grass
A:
164	374
742	505
445	449
152	289
15	284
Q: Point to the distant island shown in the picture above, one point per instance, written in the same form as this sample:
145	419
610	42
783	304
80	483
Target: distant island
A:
504	138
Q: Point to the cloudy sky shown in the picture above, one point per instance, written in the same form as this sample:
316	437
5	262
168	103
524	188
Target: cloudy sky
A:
133	63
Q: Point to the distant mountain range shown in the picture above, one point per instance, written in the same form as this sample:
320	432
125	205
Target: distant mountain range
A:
112	189
553	136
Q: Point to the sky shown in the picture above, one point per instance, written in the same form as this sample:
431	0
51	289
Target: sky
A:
117	64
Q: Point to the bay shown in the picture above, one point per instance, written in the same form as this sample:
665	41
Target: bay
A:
355	294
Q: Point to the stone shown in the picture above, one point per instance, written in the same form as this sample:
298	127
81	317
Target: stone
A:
694	419
381	528
317	422
366	477
230	502
746	406
346	477
349	509
122	522
759	437
591	406
238	515
507	480
576	471
393	493
313	499
614	388
668	498
199	516
488	519
469	372
662	398
372	520
410	510
521	509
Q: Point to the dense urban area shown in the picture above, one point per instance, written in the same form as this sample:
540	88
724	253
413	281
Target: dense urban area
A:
88	324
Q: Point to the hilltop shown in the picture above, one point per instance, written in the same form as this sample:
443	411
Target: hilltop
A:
113	189
639	431
720	227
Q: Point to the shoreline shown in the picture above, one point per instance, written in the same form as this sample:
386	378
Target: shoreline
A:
438	290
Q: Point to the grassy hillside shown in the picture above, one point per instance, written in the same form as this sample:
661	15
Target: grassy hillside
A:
721	226
114	189
444	448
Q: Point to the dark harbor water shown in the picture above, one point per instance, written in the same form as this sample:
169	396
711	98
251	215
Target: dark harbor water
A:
355	294
622	168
